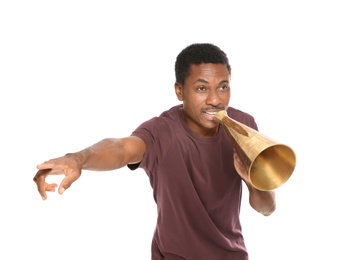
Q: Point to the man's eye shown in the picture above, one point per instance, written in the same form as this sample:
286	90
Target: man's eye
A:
224	87
201	88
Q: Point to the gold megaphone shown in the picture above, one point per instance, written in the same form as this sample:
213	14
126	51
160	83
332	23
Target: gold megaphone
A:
269	163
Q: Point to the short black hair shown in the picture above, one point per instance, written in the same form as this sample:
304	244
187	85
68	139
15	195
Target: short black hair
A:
196	54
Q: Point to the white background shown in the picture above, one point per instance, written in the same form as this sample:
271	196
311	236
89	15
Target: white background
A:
75	72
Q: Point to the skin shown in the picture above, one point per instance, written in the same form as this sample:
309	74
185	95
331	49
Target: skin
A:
205	91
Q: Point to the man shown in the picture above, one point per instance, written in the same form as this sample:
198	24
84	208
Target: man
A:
195	174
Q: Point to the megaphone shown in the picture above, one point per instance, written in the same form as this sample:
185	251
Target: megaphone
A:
270	163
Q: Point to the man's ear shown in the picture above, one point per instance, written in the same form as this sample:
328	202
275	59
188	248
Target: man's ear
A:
179	91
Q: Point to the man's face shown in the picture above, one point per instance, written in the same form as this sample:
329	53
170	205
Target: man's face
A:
205	92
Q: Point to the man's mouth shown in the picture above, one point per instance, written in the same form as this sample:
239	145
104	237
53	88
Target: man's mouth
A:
211	112
209	115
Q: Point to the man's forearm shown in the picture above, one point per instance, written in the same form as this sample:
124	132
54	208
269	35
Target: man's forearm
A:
108	154
262	201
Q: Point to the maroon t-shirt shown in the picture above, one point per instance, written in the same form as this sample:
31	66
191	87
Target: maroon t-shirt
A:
196	188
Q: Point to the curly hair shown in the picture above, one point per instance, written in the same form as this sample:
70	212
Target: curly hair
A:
196	54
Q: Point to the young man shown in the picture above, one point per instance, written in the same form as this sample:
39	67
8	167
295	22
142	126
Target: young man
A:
194	172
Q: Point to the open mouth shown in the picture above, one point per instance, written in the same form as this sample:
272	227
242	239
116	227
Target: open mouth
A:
209	115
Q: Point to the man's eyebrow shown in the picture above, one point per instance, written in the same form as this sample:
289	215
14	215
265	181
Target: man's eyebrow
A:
201	80
224	81
205	81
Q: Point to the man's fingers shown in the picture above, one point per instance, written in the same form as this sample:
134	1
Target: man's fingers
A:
45	166
43	189
67	182
39	179
48	168
41	174
51	187
42	186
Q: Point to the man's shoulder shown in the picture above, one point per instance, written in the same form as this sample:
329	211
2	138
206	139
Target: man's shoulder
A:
167	119
237	113
173	112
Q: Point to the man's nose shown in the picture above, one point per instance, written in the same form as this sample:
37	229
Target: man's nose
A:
213	98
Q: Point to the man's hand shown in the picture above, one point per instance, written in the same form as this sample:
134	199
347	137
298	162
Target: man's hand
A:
262	201
66	165
241	168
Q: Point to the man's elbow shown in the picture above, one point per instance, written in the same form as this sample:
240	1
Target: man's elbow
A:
269	210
